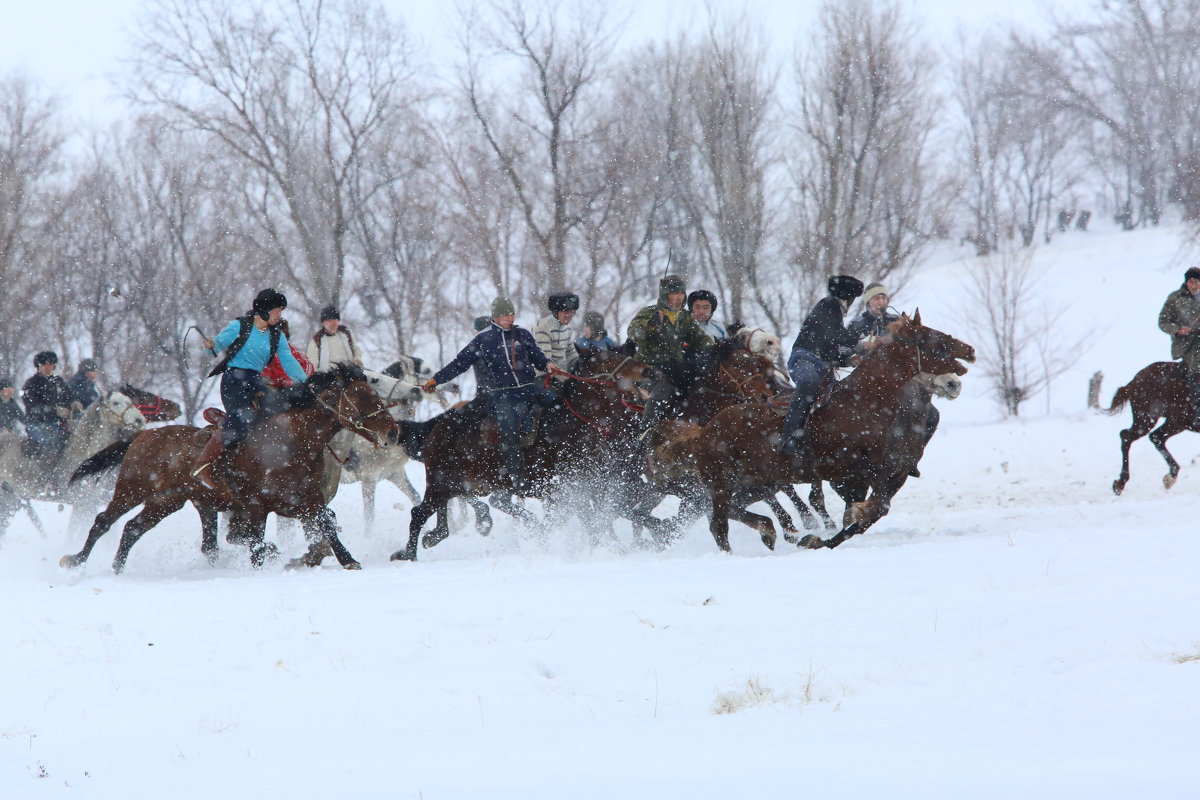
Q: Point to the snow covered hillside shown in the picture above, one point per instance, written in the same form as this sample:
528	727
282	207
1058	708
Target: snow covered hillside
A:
1011	629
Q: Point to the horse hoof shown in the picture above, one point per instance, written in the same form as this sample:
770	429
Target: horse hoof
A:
352	565
1118	487
70	562
434	538
403	555
1168	481
811	542
769	540
791	538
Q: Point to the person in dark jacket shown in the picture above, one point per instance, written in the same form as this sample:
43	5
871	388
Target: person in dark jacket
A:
875	317
1180	319
12	418
506	358
594	334
822	343
47	405
83	383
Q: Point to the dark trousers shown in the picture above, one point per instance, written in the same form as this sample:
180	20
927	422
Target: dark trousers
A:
808	372
512	409
240	388
48	436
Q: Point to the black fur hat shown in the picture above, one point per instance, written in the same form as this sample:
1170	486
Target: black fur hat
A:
45	357
845	287
266	301
563	301
330	312
702	294
6	382
1193	272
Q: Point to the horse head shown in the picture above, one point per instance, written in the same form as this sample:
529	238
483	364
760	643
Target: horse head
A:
737	372
116	410
632	379
401	394
935	352
155	408
346	392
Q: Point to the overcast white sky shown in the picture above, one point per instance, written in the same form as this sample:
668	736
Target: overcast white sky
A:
74	46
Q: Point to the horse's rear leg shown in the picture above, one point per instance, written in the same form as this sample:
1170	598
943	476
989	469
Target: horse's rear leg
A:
764	526
1159	439
156	510
718	522
1142	425
322	534
116	509
483	515
208	533
421	513
816	497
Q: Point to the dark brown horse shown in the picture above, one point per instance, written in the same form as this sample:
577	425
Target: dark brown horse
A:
588	437
1158	391
868	436
154	408
279	469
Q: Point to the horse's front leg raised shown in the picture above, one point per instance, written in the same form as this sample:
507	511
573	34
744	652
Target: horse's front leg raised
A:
116	509
421	513
157	509
1159	439
870	511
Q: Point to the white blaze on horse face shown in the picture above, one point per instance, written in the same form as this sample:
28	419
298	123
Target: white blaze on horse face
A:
124	413
947	385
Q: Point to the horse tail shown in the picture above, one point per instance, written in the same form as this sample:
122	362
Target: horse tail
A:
1120	399
414	436
106	459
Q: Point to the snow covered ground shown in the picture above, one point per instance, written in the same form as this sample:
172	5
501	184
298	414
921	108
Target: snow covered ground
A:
1011	629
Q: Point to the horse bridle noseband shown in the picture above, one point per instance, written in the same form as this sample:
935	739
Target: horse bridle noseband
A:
346	421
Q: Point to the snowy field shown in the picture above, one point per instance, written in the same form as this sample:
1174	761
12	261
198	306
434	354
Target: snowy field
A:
1012	629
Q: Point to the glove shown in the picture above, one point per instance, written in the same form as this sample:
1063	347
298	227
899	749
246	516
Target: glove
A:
654	320
429	386
63	412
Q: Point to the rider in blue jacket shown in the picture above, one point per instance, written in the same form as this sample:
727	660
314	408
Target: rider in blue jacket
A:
506	359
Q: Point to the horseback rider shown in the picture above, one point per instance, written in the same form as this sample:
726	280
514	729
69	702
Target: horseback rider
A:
249	343
332	343
703	304
48	405
554	334
12	418
875	316
669	338
1180	319
822	344
83	383
594	334
506	357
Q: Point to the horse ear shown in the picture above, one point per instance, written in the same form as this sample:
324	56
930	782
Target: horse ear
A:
917	317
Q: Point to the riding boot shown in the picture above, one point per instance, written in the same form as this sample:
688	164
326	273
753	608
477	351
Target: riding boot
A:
202	467
793	424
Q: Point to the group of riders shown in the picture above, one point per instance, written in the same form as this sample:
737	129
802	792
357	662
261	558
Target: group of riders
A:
50	404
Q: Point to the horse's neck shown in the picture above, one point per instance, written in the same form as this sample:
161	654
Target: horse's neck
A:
879	377
313	425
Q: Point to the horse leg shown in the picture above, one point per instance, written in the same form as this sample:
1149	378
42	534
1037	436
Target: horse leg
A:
718	522
870	511
766	530
116	509
421	513
1159	439
785	519
1141	426
249	529
483	515
816	496
322	532
157	509
208	533
806	515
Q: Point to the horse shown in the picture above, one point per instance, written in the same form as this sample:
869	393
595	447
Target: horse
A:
154	408
279	468
866	438
586	438
1157	392
26	477
758	341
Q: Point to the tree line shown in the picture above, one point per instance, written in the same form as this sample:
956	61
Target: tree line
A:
312	145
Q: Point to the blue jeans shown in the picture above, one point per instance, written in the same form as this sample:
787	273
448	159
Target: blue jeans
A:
808	371
512	409
239	389
48	436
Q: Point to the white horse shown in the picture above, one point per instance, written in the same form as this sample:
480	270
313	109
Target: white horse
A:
758	341
22	477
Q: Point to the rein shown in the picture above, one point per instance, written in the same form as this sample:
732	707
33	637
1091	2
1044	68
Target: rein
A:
606	379
346	421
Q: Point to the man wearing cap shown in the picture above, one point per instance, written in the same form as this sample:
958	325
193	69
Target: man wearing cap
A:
669	338
703	304
875	317
594	334
12	418
332	343
47	405
507	360
554	334
83	383
823	342
1180	319
249	342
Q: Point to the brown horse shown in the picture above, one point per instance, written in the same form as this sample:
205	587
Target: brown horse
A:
1158	391
588	438
279	469
869	435
154	408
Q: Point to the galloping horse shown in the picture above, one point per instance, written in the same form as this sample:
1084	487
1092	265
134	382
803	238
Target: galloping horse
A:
867	437
154	408
1157	391
111	418
279	469
585	437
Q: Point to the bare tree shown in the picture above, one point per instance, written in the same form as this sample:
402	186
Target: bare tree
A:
297	89
869	195
1021	342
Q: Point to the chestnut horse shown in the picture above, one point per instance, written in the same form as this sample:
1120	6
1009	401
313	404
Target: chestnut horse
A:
1158	391
279	469
154	408
589	438
868	435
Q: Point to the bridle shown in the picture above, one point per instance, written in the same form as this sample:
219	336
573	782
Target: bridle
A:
606	379
347	421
